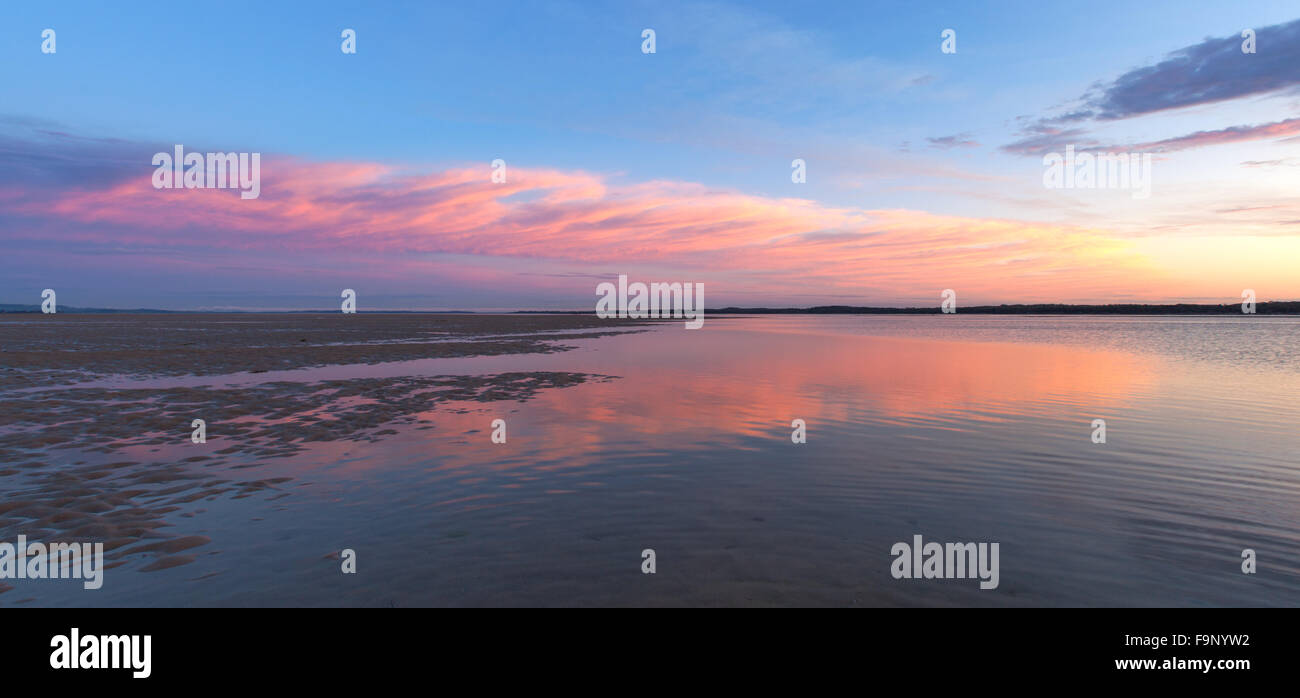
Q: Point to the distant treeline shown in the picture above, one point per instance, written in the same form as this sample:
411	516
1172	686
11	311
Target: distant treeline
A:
1272	307
15	308
1263	308
1268	308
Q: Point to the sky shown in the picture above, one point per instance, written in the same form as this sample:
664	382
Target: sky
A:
923	169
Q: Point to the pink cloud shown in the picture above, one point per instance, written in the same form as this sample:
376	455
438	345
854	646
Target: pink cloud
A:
347	211
1232	134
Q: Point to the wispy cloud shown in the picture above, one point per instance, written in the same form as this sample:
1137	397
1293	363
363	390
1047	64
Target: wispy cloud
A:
348	212
1043	138
1233	134
960	140
1214	70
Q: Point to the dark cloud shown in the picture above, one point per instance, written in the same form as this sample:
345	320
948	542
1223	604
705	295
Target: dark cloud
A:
41	156
1215	70
960	140
1047	140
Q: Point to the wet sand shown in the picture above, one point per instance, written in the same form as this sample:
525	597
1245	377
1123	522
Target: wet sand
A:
117	465
41	350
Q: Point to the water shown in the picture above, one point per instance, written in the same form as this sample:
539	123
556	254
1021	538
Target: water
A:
956	428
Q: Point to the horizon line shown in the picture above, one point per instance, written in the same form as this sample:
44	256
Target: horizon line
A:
1137	308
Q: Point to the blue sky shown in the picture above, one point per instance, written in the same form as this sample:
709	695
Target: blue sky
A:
565	83
732	95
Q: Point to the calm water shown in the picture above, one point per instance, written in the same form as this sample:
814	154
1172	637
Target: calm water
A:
957	428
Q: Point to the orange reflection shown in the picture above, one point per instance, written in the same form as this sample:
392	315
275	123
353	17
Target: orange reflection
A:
717	386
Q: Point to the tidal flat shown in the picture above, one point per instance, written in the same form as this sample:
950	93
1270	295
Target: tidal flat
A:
117	465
